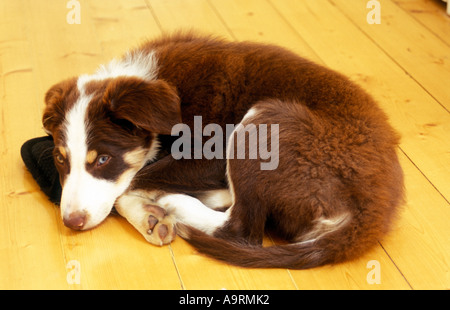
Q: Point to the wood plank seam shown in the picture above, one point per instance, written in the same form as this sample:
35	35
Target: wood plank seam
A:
425	176
155	17
398	268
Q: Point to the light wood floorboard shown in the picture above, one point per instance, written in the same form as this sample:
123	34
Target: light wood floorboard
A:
404	62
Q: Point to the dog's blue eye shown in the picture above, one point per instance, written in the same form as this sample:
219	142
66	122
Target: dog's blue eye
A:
102	160
60	159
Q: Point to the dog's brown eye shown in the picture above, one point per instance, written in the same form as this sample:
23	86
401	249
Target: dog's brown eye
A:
102	159
60	159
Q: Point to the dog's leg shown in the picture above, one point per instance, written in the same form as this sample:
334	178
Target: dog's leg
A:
192	212
141	210
155	213
182	176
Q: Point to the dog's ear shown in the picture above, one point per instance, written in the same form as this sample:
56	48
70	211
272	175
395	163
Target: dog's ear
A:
153	106
55	100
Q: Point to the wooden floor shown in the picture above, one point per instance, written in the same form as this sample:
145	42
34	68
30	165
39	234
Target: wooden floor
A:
404	62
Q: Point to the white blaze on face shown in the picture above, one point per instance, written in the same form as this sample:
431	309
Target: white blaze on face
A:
82	192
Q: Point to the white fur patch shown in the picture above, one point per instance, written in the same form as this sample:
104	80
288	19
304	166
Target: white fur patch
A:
325	226
192	212
83	192
215	199
230	150
250	114
137	64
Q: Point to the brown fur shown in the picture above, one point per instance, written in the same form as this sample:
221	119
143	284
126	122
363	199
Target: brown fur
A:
337	150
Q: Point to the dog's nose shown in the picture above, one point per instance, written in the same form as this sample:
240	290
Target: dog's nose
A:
75	220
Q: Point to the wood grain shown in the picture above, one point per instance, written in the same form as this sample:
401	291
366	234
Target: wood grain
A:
403	62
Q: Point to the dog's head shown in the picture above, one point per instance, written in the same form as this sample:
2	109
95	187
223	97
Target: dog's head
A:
104	132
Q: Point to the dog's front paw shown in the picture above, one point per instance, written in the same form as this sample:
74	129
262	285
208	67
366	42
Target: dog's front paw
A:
161	227
153	222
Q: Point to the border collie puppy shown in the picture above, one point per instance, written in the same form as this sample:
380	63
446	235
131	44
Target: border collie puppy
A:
331	186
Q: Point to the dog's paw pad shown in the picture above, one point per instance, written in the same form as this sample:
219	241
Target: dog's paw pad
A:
152	221
161	226
157	211
163	231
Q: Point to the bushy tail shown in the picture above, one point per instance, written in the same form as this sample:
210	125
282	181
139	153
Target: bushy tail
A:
302	255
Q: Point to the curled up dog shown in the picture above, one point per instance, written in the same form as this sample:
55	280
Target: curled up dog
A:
307	155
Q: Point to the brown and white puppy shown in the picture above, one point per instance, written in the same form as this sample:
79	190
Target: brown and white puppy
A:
332	194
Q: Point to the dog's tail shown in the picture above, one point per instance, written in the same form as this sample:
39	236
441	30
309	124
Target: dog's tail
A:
245	255
336	246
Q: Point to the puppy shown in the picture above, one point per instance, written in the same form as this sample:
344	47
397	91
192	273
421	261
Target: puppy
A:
330	188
